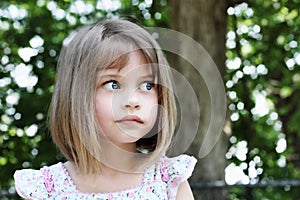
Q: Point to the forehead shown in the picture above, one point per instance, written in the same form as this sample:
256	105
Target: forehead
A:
133	62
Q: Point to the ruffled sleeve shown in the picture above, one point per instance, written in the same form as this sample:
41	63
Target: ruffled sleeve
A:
175	171
30	184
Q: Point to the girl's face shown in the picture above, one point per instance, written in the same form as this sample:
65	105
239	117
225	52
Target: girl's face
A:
126	102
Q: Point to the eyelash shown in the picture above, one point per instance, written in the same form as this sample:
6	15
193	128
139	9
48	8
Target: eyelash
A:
111	81
152	85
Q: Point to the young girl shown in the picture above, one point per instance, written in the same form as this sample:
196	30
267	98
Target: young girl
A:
112	115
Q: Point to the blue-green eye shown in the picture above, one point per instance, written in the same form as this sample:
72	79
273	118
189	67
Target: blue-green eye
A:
147	86
112	85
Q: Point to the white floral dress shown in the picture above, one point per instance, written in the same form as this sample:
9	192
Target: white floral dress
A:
160	181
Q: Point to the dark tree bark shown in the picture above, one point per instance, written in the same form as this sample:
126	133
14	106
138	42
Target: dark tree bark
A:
204	21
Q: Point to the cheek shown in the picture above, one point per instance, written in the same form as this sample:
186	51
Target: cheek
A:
152	109
103	108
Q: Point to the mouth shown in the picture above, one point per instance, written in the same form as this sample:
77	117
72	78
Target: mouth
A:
129	119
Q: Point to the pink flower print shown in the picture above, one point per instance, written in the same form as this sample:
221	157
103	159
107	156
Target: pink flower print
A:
110	197
48	180
149	189
130	195
66	182
163	171
165	175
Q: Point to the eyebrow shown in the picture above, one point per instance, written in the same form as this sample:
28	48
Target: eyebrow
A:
110	75
148	76
116	76
119	76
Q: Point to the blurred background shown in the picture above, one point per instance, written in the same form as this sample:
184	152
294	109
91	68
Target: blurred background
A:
255	44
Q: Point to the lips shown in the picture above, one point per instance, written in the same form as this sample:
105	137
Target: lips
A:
130	118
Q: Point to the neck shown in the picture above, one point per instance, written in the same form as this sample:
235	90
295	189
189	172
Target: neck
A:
128	147
119	156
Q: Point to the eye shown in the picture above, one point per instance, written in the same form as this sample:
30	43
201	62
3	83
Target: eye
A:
147	86
112	85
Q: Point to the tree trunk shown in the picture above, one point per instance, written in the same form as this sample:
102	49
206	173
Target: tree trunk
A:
204	21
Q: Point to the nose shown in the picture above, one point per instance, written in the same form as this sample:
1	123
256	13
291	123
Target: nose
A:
132	102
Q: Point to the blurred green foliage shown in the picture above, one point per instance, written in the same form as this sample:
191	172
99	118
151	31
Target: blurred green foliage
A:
262	78
263	85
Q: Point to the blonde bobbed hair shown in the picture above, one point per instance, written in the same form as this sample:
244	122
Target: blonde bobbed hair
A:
72	113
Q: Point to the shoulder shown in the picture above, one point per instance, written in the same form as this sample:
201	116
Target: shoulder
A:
175	171
35	184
